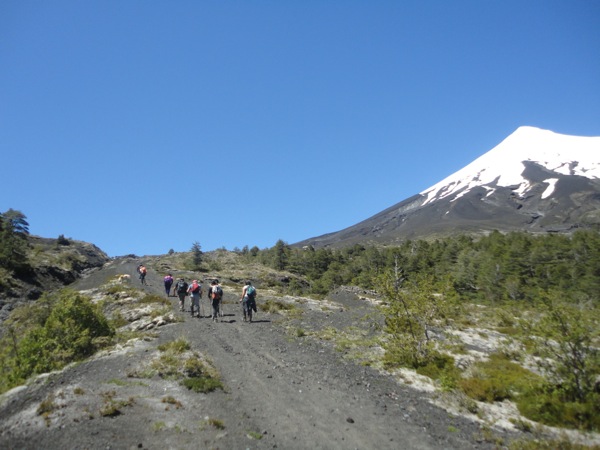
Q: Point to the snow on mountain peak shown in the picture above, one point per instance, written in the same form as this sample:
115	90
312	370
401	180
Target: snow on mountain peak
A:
504	164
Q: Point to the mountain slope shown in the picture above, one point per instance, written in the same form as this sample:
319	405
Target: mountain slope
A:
52	264
535	180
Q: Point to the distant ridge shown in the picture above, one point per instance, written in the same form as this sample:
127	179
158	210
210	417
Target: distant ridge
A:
534	180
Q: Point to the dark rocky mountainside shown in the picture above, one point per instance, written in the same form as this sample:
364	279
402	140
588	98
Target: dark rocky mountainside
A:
576	205
52	264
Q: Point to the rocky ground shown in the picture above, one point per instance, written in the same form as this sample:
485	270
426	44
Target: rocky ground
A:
282	389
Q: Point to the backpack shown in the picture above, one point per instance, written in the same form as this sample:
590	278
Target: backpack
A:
217	292
143	270
251	292
196	288
181	287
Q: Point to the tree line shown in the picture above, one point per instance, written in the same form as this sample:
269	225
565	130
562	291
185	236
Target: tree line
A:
516	266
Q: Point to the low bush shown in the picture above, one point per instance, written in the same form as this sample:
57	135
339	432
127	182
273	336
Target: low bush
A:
153	298
564	336
202	384
57	330
177	362
277	306
439	366
498	379
550	405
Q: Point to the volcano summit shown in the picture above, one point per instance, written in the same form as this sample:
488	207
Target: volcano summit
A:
535	180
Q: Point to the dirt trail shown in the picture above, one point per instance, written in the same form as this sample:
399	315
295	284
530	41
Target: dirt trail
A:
280	392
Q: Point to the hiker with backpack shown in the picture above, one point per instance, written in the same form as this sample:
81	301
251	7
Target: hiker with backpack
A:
168	280
181	289
142	271
216	293
195	289
248	300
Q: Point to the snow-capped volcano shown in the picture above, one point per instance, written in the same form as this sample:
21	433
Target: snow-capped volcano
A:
535	180
504	164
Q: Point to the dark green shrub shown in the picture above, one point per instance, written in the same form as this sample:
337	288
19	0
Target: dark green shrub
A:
563	444
438	366
60	329
552	406
485	389
414	308
177	346
564	336
202	384
498	379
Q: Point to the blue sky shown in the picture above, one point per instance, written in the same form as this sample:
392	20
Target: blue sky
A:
144	126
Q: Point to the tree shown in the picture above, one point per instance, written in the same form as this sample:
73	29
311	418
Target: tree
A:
17	222
280	255
14	230
565	340
196	255
566	335
414	308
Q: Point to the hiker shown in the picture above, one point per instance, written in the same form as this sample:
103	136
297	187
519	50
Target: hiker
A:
217	297
168	283
195	289
181	288
142	271
248	300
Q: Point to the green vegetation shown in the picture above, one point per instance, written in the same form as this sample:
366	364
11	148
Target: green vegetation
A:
554	444
540	292
58	329
14	230
497	379
169	400
202	384
159	426
412	313
495	268
561	333
564	336
255	435
46	408
112	407
177	362
197	256
217	423
279	307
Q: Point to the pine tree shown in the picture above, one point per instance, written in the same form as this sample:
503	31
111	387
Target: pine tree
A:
14	230
197	255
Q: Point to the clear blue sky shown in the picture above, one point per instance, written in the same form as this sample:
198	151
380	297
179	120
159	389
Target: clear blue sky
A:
143	126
